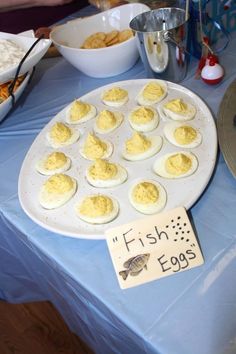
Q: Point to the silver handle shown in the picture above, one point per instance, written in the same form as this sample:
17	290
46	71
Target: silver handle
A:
168	38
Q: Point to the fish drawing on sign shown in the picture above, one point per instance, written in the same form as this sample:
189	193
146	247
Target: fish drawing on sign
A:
135	265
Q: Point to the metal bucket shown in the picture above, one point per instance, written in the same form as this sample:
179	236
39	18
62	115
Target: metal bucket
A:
162	38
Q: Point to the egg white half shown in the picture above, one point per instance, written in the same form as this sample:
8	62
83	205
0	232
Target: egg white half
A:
74	137
40	166
119	178
119	119
169	130
159	165
156	144
184	116
99	219
55	200
91	114
107	153
150	208
117	103
147	127
145	102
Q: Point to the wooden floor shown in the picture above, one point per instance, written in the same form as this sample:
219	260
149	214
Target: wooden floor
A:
36	328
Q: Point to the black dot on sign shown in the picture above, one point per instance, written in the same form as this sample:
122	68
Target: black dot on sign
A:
185	224
182	232
180	228
187	239
179	217
175	239
173	227
182	238
188	232
167	226
172	220
176	233
177	223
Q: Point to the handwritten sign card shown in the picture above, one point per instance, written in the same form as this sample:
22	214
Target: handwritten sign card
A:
153	247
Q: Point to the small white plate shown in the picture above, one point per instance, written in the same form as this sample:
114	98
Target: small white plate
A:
180	192
25	42
29	34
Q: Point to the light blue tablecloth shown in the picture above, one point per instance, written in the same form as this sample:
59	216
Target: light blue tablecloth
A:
190	313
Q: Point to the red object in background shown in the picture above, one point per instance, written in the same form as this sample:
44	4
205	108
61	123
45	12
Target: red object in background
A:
212	73
202	61
227	5
43	31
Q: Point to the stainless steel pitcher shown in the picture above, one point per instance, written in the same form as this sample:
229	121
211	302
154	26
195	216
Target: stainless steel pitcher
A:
162	38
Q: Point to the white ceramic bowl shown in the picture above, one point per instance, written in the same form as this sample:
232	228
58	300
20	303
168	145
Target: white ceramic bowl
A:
6	105
101	62
34	57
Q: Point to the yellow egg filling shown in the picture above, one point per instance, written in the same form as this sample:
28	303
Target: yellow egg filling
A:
94	148
102	169
79	110
152	91
115	94
178	164
55	160
185	135
96	206
58	184
60	133
142	115
145	193
137	144
106	120
177	106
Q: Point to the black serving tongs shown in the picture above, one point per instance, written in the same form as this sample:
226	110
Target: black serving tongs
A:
12	84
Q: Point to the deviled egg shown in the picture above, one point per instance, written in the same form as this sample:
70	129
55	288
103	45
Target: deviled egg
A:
182	135
176	165
57	190
152	93
97	209
144	119
107	121
80	112
105	174
115	97
95	148
147	196
55	162
140	147
178	109
61	134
